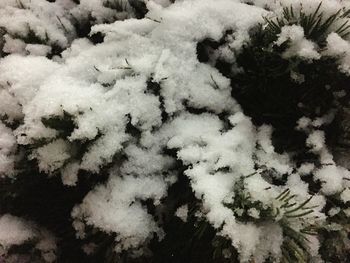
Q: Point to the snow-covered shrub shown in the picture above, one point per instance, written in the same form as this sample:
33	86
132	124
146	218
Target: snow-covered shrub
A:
136	130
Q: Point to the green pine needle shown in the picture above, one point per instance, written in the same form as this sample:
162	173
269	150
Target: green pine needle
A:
316	25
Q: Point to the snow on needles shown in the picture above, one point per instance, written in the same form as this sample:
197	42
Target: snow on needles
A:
129	96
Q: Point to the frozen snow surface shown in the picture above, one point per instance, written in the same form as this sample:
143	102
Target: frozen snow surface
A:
145	74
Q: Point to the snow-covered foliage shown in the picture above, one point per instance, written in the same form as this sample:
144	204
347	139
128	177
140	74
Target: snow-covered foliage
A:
33	27
7	151
16	231
13	231
131	104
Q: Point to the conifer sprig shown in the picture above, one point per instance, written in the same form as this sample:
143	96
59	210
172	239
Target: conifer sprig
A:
316	25
295	246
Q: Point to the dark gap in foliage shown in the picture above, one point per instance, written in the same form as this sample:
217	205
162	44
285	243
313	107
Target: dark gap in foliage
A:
204	48
224	67
32	38
12	124
49	203
154	88
335	246
140	8
83	29
179	245
96	38
266	90
103	246
207	46
63	124
80	147
194	110
131	129
117	5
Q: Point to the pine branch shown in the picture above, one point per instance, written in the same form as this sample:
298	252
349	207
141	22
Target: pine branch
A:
317	25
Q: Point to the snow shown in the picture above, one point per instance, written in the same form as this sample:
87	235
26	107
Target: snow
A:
70	173
345	195
21	77
52	156
316	140
306	168
24	18
331	178
338	47
182	213
100	12
329	174
13	45
266	154
334	211
298	44
116	208
14	231
17	231
37	49
47	246
7	150
145	77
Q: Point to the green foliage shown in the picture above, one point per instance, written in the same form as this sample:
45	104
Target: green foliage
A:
32	38
278	91
285	206
335	241
268	93
316	25
335	234
295	245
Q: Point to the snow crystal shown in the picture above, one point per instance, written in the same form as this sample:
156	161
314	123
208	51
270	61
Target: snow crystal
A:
253	212
100	12
70	173
258	189
333	211
17	231
340	48
26	19
331	178
7	150
130	98
52	156
298	44
37	49
89	248
13	45
116	207
303	123
47	246
314	246
345	195
126	71
182	212
14	231
316	140
267	155
21	76
306	168
347	212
